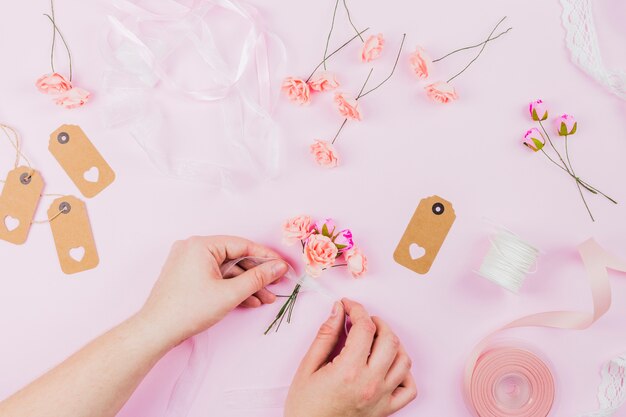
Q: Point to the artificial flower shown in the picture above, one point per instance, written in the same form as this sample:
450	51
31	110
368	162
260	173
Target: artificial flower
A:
533	139
420	63
325	227
566	125
297	90
538	110
356	261
343	240
324	154
71	99
53	83
348	108
319	253
323	81
296	229
441	92
372	48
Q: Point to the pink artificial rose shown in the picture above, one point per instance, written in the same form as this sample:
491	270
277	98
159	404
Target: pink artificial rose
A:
323	81
297	228
566	125
538	110
53	84
324	154
344	241
326	227
441	92
76	97
297	90
319	253
348	108
533	139
420	63
357	262
372	48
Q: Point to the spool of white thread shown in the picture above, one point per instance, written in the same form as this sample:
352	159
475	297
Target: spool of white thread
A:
508	261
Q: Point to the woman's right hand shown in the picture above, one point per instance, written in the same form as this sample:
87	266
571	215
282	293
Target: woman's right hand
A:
371	377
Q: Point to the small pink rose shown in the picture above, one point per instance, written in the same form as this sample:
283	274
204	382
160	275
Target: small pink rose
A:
420	63
324	154
297	228
53	84
347	107
566	125
323	81
344	241
372	48
538	110
297	90
76	97
357	262
319	253
533	139
326	227
441	92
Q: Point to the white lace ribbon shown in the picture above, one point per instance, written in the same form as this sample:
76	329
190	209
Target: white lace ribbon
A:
612	389
582	41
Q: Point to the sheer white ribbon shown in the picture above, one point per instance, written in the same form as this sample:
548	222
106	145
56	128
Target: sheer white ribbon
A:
238	146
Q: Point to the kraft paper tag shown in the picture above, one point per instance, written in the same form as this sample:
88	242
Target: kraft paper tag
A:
81	160
72	235
425	234
18	203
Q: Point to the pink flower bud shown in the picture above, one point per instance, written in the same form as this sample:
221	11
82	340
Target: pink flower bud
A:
533	139
343	240
325	227
566	125
538	110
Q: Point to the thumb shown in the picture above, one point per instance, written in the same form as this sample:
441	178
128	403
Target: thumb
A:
325	341
257	278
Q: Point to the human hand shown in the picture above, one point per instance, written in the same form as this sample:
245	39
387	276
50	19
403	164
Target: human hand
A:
370	377
191	294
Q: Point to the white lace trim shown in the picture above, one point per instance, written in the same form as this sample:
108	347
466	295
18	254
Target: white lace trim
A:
612	389
582	41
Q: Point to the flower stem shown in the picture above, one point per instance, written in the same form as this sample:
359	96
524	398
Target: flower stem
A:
332	26
346	119
69	54
473	46
286	309
345	5
339	131
54	37
553	147
390	74
479	52
580	191
334	52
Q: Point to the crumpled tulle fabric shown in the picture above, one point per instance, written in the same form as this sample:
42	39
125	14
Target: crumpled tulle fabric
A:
582	41
195	82
612	389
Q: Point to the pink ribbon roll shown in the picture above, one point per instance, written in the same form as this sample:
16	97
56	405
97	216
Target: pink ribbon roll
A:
513	382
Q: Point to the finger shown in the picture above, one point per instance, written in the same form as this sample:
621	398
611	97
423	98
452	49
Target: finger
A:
232	247
385	348
234	271
251	302
324	342
400	369
255	279
361	336
265	295
403	395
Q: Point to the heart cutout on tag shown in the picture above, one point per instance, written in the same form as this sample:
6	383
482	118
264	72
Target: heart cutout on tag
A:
77	254
416	251
92	174
11	223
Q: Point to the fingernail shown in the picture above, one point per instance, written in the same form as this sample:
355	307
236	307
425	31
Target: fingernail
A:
335	309
279	269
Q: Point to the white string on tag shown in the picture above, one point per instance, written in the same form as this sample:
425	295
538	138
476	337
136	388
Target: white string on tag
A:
509	260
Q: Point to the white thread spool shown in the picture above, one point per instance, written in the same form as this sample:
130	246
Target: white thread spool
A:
508	261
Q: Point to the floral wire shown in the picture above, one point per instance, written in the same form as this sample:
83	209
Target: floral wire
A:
339	131
334	52
473	46
553	147
69	54
580	191
359	96
345	5
479	52
54	36
332	26
390	74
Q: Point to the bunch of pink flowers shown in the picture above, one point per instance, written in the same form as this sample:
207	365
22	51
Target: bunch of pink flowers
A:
324	246
565	126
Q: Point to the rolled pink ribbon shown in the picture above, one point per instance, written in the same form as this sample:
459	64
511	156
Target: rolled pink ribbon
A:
488	368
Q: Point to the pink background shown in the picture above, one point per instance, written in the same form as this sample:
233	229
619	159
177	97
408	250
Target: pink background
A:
406	148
